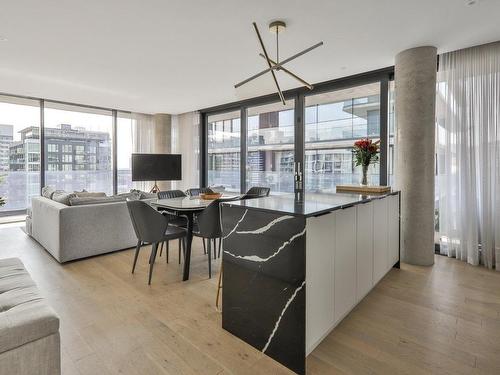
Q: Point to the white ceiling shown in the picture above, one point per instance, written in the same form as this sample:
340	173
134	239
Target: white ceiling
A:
174	56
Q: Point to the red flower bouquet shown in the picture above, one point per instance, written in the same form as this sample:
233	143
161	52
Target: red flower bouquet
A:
366	152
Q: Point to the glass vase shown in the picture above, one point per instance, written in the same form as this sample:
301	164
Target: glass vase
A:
364	176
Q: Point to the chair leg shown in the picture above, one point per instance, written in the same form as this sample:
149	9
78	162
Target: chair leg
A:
220	246
181	241
161	248
215	248
204	246
153	257
209	251
137	249
151	254
219	287
167	249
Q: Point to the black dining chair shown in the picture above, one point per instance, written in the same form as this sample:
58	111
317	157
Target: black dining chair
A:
256	192
169	194
194	192
152	227
209	227
178	221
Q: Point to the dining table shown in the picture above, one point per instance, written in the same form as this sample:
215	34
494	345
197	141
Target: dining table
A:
187	207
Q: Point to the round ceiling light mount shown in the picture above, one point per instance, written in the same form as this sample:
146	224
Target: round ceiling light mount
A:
277	26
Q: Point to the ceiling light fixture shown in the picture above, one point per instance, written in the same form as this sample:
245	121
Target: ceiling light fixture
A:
3	39
277	27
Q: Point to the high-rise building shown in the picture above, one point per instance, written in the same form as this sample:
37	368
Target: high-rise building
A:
6	137
66	149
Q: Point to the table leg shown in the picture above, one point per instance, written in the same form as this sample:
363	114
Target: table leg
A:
189	240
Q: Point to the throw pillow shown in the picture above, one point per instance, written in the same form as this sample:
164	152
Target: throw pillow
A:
143	194
62	196
47	191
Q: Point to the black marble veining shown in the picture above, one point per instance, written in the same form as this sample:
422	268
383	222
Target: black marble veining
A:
312	205
264	282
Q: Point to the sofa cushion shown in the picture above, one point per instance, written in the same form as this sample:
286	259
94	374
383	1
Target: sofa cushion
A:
47	191
62	196
85	194
24	314
81	201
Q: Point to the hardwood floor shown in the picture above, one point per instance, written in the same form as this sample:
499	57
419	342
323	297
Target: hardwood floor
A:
443	319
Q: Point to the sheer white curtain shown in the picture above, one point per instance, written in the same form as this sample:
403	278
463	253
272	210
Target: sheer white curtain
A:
186	141
468	154
143	133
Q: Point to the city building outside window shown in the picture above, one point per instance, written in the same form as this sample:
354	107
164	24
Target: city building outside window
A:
333	122
89	133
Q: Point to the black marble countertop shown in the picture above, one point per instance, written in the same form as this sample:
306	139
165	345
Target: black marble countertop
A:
312	205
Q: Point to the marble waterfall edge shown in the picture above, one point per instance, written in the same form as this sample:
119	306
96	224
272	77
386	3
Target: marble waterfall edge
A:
264	282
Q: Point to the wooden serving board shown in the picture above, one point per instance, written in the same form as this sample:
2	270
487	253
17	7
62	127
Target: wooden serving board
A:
361	189
210	197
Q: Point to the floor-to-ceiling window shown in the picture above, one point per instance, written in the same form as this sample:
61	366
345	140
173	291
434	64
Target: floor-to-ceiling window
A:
311	137
391	157
270	146
333	122
77	142
78	148
124	150
223	146
19	153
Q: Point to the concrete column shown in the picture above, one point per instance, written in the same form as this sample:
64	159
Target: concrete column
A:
162	140
415	83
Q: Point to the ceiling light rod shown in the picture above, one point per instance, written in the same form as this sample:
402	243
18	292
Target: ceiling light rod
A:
269	63
276	66
305	83
277	27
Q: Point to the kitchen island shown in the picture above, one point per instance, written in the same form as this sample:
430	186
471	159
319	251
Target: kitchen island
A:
294	269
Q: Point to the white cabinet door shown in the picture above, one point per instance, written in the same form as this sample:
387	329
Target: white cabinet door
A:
320	251
380	239
393	222
345	262
364	249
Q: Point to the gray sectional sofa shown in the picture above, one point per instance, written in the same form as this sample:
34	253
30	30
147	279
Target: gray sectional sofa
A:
29	328
74	232
70	232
